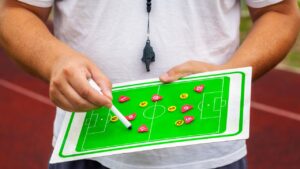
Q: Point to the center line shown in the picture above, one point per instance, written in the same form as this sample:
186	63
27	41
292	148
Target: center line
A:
153	114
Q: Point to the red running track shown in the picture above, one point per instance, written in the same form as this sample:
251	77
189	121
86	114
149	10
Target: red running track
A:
26	123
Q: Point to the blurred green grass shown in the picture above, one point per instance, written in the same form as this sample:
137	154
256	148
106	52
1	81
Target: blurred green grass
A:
292	59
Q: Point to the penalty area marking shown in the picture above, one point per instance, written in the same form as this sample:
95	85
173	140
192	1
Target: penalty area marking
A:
94	116
104	128
90	133
220	114
82	148
222	103
201	104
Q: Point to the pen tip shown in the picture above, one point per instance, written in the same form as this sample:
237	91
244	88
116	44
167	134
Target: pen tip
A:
130	127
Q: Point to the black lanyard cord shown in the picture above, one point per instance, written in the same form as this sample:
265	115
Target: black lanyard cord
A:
148	26
148	53
148	11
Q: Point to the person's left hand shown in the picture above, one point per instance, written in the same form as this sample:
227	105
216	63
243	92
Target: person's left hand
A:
187	68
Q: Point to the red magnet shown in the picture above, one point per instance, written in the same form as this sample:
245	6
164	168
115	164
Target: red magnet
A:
131	117
186	108
123	99
199	88
156	97
143	129
188	119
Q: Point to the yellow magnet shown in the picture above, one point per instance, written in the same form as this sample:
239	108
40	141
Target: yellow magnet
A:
184	96
143	104
172	108
179	122
114	118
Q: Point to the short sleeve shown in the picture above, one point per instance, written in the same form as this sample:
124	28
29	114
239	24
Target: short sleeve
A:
261	3
38	3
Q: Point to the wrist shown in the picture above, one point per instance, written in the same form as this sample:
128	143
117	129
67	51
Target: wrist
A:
60	56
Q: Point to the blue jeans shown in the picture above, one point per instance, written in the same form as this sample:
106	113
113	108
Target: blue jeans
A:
90	164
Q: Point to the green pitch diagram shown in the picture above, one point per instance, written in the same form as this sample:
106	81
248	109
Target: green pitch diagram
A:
202	108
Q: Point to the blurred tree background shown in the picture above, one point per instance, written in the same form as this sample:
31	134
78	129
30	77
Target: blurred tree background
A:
292	61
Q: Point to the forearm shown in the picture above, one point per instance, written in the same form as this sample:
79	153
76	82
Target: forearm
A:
269	41
25	37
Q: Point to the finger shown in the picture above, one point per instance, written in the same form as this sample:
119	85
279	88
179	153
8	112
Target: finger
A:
67	94
59	100
175	73
79	103
80	84
102	81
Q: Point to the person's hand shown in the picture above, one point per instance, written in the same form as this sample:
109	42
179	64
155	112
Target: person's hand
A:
187	68
69	87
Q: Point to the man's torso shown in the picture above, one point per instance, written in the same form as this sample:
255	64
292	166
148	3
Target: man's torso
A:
113	33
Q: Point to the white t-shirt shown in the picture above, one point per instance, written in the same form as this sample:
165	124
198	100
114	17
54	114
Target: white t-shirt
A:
112	33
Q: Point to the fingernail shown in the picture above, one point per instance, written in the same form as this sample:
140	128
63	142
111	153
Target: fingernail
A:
107	93
165	76
109	105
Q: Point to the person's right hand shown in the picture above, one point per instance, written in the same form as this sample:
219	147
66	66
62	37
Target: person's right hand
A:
69	87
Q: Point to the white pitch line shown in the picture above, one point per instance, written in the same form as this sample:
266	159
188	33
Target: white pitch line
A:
202	105
220	114
275	111
106	123
86	133
26	92
153	115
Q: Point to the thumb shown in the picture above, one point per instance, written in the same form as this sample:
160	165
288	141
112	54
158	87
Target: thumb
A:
174	74
185	69
102	81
